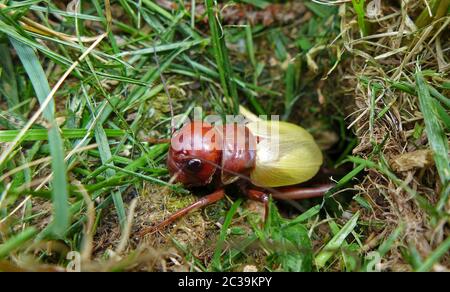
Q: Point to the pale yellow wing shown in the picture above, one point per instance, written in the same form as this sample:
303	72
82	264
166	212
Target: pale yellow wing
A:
286	154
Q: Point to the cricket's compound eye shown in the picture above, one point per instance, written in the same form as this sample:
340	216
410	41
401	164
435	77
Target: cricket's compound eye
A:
194	165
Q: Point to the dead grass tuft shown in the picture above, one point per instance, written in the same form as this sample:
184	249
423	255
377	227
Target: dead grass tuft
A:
388	122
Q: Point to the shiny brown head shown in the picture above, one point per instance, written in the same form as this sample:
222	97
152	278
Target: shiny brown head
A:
198	149
194	154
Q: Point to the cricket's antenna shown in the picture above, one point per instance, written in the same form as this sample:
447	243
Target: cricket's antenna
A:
163	80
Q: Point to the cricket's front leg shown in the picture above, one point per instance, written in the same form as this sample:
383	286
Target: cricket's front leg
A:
202	202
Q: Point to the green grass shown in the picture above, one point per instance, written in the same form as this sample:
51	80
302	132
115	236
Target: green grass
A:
15	242
81	94
436	134
359	6
215	262
41	87
42	134
336	242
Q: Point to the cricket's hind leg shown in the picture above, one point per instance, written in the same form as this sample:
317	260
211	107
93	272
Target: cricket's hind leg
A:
288	193
300	193
260	196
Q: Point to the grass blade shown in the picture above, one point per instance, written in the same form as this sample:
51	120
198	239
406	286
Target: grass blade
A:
39	81
290	90
435	133
331	247
42	134
358	5
223	62
439	96
313	211
215	263
36	74
443	115
13	34
16	241
441	250
439	8
385	247
8	81
106	156
149	178
165	47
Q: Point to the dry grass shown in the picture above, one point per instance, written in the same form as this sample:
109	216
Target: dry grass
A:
389	56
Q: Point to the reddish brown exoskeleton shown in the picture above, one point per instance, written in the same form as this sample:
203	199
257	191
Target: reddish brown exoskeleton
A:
260	157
